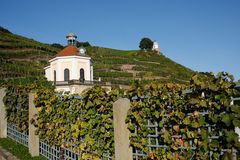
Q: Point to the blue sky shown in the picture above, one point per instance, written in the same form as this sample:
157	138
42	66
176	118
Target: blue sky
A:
203	35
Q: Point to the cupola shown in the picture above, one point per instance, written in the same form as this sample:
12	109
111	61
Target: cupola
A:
71	39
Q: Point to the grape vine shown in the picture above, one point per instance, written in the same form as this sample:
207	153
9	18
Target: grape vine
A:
16	104
195	122
84	122
16	100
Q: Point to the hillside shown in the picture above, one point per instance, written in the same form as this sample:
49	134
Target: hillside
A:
123	66
23	57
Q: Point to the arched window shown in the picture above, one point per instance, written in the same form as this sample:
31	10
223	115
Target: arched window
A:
82	78
54	76
66	74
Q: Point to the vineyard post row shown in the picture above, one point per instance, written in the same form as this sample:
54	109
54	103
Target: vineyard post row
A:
121	133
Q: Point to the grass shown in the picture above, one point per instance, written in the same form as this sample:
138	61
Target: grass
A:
18	150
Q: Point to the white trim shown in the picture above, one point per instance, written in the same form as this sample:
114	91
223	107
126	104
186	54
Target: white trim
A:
67	57
46	67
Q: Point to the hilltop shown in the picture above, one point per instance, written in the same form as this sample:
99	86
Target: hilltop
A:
24	57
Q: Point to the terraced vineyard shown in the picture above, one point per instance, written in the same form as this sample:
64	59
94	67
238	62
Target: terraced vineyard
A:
24	57
122	67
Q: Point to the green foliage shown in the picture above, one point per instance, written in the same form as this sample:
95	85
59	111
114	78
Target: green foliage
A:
16	100
162	68
98	129
87	122
4	30
114	74
186	119
16	103
146	44
83	44
20	69
57	45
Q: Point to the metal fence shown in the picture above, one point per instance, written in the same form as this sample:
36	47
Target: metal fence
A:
106	156
155	140
54	153
14	134
70	152
47	151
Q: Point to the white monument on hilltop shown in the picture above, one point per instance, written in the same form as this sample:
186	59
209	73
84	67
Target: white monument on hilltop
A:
155	47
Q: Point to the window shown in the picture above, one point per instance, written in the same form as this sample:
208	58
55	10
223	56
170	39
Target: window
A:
82	78
55	76
66	74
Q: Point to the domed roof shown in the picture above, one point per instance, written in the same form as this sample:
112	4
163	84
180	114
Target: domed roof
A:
72	51
71	34
68	51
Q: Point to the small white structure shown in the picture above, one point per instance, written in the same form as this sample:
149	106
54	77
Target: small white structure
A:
70	64
155	47
71	69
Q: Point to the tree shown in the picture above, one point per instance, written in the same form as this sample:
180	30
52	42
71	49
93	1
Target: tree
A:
4	30
146	44
57	45
83	44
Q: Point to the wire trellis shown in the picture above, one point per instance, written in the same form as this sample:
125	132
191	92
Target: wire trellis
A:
14	134
156	142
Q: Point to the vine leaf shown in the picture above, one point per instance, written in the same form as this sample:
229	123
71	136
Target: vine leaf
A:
227	119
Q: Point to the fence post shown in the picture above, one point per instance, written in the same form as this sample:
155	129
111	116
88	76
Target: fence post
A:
121	133
234	155
3	120
33	140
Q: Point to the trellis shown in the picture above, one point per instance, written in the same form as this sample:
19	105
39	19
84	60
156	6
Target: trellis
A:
14	134
45	149
54	153
155	139
69	153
